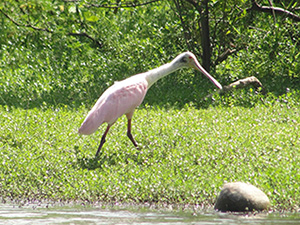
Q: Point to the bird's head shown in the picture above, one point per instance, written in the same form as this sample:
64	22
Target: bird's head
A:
188	59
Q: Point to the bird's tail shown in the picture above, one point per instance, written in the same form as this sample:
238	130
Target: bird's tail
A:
89	125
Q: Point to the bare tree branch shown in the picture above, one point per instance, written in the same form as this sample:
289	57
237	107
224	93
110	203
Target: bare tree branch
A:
276	10
225	55
128	4
99	44
25	25
233	49
242	83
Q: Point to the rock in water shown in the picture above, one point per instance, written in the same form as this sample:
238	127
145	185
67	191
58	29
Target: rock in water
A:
241	197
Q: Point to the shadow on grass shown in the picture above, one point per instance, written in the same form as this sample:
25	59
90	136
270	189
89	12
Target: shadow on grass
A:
89	163
95	162
111	159
92	163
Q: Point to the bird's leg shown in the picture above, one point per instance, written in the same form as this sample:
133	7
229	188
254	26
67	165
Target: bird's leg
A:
129	133
102	140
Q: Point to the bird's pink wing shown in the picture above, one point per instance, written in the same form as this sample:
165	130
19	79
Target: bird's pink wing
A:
94	119
129	96
121	98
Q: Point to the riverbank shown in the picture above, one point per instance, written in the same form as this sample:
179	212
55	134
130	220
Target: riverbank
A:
56	213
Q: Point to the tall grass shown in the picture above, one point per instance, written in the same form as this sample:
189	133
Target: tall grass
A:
186	154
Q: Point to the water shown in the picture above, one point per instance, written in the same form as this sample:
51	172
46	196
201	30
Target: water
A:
79	214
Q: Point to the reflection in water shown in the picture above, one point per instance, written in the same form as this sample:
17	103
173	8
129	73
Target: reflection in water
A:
77	214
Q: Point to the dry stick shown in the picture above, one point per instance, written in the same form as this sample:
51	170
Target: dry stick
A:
242	83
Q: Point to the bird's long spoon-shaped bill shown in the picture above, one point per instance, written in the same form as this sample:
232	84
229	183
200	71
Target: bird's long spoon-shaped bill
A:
213	80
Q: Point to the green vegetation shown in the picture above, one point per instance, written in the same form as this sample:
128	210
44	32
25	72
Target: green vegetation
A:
186	155
190	146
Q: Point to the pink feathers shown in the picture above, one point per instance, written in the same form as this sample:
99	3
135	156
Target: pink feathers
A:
121	98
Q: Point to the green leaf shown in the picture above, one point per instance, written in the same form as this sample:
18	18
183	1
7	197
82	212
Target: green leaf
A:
92	18
72	9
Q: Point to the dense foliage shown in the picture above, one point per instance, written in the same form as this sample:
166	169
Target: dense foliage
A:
70	51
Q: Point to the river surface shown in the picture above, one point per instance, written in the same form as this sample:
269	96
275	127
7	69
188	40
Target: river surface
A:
82	214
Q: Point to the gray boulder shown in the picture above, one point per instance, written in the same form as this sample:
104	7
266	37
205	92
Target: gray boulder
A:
241	197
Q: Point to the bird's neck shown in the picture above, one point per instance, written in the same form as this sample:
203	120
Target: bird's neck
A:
154	75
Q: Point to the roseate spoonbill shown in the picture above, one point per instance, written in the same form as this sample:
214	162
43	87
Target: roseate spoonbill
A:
124	96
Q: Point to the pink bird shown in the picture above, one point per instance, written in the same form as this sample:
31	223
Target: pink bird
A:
124	96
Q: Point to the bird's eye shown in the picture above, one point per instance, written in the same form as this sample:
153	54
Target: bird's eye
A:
183	60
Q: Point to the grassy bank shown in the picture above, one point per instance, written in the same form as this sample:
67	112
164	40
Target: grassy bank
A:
186	154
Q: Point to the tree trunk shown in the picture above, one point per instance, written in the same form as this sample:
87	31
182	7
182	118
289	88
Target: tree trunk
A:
202	8
205	42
